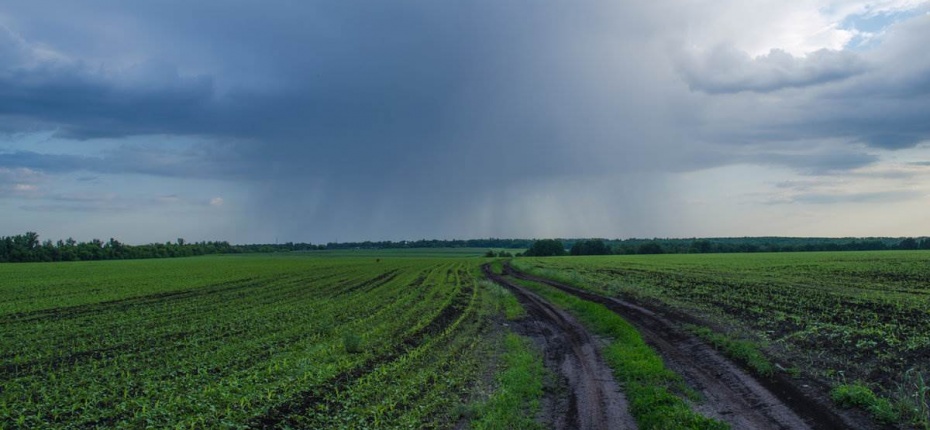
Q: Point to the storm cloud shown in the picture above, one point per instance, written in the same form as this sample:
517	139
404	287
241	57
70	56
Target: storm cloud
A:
402	120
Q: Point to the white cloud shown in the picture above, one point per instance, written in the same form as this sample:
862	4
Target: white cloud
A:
20	182
216	202
796	27
770	45
724	69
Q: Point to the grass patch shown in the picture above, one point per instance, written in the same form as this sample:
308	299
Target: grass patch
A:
497	267
913	399
742	350
859	395
649	386
352	343
505	300
516	402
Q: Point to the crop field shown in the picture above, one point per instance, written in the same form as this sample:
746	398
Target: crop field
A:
447	339
400	252
241	342
852	319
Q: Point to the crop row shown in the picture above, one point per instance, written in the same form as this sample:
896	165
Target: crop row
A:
301	341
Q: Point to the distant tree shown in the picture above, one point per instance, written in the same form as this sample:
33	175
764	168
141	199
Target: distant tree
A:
909	243
700	246
650	248
924	243
490	254
590	247
546	248
624	249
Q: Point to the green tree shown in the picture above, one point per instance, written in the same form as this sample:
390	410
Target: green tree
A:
909	243
590	247
650	248
546	248
700	246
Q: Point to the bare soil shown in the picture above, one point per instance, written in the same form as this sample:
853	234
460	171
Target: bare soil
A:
588	396
730	393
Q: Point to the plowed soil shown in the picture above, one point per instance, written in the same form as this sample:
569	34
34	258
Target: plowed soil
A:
730	393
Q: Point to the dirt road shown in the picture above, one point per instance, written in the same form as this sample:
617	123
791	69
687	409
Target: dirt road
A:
730	393
594	400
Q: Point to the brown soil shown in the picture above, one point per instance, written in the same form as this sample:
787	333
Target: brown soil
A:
591	398
730	393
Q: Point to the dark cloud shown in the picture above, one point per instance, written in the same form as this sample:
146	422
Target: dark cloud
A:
201	161
360	120
84	101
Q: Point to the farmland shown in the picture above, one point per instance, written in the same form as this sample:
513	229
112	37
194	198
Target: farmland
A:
241	341
856	319
361	339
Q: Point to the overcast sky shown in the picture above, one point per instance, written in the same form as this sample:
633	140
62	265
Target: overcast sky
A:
369	120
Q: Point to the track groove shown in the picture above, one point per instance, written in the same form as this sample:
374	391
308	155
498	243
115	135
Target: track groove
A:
731	394
596	401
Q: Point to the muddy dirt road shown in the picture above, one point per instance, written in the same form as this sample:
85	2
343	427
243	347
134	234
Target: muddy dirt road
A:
594	400
730	393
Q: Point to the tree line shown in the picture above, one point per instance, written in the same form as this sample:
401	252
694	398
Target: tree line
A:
765	244
26	247
556	247
434	243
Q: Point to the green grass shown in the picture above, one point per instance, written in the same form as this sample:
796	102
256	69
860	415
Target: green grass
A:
857	394
497	267
516	401
399	253
744	351
652	390
511	308
913	399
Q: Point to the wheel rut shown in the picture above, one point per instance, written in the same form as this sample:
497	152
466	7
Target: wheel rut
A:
594	400
730	394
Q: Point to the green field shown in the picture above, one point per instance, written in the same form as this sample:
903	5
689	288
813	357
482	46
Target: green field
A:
397	339
402	252
241	341
843	317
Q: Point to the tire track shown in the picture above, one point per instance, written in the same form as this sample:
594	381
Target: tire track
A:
595	401
730	393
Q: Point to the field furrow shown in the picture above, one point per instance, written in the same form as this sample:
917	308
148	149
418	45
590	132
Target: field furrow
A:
268	347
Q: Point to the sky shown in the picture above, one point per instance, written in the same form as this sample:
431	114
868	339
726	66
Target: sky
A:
256	122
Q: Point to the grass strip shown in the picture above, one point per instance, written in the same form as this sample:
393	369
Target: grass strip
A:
516	402
859	395
505	301
741	350
649	386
